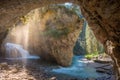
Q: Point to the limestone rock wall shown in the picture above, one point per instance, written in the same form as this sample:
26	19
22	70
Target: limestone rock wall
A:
11	11
50	32
103	17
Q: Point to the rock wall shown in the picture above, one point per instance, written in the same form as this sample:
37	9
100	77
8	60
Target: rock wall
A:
50	32
103	17
11	11
87	42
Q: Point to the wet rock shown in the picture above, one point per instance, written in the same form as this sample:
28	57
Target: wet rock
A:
101	70
53	78
102	61
109	72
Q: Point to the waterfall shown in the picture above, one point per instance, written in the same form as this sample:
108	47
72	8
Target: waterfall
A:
17	51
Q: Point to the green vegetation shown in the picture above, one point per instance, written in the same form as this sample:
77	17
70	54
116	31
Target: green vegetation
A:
92	55
57	33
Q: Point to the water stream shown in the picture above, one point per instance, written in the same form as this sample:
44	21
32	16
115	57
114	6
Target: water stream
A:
15	51
80	68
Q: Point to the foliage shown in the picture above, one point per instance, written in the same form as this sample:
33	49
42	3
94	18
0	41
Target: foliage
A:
92	55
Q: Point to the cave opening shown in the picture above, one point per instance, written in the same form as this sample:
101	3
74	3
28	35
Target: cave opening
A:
50	32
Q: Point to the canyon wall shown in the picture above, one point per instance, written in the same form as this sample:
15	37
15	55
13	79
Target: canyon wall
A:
103	17
87	42
50	32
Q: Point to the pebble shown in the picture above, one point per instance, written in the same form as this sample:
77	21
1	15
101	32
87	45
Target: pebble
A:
53	78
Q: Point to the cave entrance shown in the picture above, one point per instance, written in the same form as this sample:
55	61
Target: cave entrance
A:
89	57
46	31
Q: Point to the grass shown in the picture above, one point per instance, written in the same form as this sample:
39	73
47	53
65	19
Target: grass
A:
92	55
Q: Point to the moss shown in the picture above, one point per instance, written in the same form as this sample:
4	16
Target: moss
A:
55	33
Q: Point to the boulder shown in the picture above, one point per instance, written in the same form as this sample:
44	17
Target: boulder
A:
50	32
4	65
56	37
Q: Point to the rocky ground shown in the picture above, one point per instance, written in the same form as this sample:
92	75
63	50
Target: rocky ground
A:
13	70
32	70
16	70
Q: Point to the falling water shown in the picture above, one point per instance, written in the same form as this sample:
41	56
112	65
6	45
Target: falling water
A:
21	35
15	51
17	41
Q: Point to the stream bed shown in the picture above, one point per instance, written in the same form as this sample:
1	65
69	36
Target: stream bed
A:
23	66
85	69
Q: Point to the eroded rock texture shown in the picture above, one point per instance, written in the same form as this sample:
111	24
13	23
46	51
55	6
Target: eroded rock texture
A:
58	31
103	17
11	11
50	32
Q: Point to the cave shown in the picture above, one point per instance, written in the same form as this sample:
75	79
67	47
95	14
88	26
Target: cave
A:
102	16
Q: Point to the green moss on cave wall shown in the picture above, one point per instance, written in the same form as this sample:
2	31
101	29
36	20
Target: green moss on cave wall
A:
57	33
